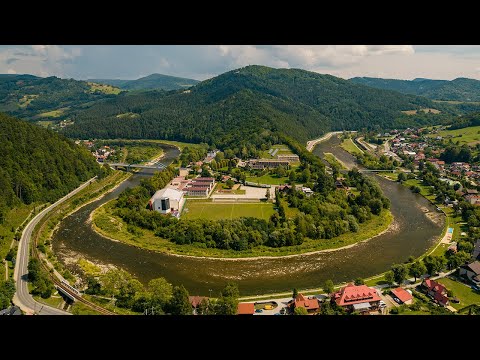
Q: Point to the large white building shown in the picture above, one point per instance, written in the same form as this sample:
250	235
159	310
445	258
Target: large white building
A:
168	201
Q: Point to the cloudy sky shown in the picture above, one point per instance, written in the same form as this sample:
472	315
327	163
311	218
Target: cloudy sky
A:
201	62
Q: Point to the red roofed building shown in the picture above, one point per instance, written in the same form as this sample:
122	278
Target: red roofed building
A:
309	303
357	298
246	309
403	295
195	301
436	291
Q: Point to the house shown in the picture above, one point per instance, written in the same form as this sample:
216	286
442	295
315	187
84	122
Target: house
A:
204	182
307	191
476	251
436	291
12	310
471	272
289	158
308	303
196	191
359	298
402	295
284	188
471	191
167	201
195	302
246	309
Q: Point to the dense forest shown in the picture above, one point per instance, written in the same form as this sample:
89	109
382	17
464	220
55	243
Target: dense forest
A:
242	104
153	81
28	96
460	89
472	119
38	165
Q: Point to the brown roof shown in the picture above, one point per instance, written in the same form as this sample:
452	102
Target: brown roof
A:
474	266
204	179
402	294
305	302
196	300
245	309
196	188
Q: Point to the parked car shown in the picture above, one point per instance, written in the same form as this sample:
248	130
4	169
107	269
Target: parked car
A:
476	287
282	311
259	310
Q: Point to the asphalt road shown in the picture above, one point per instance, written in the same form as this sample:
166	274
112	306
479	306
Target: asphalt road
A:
22	298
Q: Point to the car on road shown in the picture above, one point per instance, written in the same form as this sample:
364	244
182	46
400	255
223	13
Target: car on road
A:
259	310
476	287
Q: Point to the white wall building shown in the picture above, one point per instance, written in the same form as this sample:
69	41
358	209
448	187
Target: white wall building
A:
167	201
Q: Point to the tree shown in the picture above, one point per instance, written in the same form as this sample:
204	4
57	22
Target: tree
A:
160	291
281	172
229	183
230	290
417	269
226	306
300	311
399	273
295	293
434	264
267	194
179	303
206	307
114	279
359	281
402	177
389	278
328	286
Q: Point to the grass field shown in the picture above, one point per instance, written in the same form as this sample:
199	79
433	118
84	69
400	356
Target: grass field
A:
45	123
53	113
104	88
226	190
26	100
128	115
425	110
464	293
268	179
332	160
349	146
216	211
282	150
140	154
469	135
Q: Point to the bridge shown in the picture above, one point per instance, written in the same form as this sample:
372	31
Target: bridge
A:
372	171
158	166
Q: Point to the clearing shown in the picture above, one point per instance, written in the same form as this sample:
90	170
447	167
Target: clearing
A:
268	179
425	110
349	146
468	135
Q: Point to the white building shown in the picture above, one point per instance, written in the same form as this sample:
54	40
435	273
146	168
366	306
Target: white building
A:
167	201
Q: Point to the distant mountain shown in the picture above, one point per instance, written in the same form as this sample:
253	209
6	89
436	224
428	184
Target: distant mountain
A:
460	89
33	97
153	81
237	106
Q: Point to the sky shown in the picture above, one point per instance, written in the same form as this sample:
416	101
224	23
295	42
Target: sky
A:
205	61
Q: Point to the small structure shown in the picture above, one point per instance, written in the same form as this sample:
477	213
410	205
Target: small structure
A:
308	303
351	295
476	251
471	272
284	188
246	309
403	295
12	310
267	163
307	191
436	291
196	191
195	301
289	157
167	200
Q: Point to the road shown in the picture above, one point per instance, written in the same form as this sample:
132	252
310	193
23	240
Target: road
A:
22	297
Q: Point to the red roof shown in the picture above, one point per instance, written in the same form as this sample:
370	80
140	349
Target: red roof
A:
352	294
196	300
246	309
402	294
305	302
196	188
434	286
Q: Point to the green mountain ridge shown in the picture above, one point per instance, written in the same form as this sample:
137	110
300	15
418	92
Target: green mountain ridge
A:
153	81
460	89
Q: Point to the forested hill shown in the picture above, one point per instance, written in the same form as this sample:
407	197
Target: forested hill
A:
242	103
32	97
38	165
461	89
153	81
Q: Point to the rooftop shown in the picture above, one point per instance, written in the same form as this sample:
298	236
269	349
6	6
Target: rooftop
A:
167	193
353	294
402	294
245	309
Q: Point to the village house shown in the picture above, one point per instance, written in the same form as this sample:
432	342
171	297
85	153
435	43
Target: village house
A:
246	309
471	272
403	296
359	298
436	291
310	303
476	251
289	158
195	302
167	201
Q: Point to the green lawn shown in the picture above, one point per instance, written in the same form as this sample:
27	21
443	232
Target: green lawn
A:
53	301
349	145
216	211
464	293
332	160
469	135
53	113
425	191
268	179
391	176
104	88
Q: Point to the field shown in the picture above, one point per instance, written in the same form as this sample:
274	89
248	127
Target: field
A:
469	135
26	100
216	211
349	146
332	160
426	110
268	179
106	89
282	150
139	154
46	123
53	113
464	293
128	115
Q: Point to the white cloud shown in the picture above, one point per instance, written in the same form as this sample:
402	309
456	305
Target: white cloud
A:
11	71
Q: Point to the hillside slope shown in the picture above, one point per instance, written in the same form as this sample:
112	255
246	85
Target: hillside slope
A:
460	89
153	81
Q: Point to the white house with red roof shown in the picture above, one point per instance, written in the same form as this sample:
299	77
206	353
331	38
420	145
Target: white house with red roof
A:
359	298
309	303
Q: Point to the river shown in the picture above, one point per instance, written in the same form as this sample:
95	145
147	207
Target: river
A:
412	234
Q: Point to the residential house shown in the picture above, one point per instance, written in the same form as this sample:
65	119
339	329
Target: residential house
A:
167	201
307	191
246	309
196	191
12	310
471	272
359	298
436	291
476	251
309	303
195	302
289	158
403	296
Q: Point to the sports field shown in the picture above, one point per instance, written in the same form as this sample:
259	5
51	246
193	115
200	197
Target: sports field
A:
216	211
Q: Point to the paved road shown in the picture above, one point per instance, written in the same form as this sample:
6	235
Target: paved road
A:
22	298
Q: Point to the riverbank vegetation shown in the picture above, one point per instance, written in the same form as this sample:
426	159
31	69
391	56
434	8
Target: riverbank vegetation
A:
349	146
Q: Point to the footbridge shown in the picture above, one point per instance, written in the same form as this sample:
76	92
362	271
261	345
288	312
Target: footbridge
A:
158	166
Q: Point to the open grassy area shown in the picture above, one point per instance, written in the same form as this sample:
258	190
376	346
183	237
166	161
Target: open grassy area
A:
26	100
425	191
391	176
53	301
104	88
81	309
53	113
468	135
223	189
464	293
128	115
216	211
113	227
332	160
268	179
88	267
349	146
141	154
281	150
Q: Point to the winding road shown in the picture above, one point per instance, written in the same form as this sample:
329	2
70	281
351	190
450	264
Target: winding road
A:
22	297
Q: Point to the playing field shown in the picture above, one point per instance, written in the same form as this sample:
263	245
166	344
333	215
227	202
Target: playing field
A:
216	211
